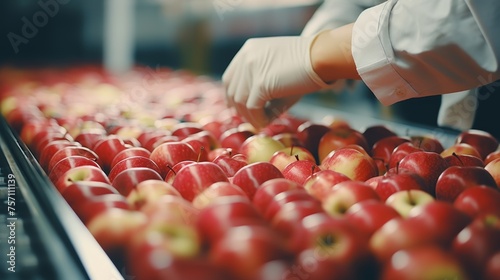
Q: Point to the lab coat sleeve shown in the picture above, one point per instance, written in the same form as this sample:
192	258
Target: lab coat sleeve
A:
335	13
405	48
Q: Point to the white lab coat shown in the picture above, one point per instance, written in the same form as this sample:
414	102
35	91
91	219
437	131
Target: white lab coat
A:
452	45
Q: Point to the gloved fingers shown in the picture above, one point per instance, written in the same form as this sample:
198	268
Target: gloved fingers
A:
257	117
277	107
229	84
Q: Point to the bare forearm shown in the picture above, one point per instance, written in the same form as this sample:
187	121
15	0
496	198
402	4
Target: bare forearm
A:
331	55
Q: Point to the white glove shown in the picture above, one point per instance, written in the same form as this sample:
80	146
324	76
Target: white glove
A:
268	75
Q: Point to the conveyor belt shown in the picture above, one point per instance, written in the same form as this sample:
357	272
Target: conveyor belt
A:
40	236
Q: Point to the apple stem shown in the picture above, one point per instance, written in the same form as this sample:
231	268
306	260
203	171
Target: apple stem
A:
410	197
420	140
297	157
291	150
171	169
199	154
459	159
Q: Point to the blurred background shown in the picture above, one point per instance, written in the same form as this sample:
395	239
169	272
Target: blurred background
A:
201	36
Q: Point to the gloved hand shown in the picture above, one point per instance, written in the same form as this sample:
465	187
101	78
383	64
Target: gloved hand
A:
268	75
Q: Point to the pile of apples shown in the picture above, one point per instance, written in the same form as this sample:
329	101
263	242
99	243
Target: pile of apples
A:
174	185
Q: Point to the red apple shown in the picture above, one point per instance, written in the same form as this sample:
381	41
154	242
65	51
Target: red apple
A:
107	148
185	129
130	152
309	134
169	251
404	201
278	126
127	132
230	164
289	139
172	210
242	250
217	189
269	189
374	133
172	170
32	127
369	215
234	138
335	121
464	160
114	227
461	149
483	141
491	156
373	181
199	148
83	172
398	234
148	134
383	148
401	151
344	195
151	140
127	180
88	138
442	220
428	165
283	157
352	163
52	148
428	143
434	224
494	169
398	180
168	154
275	269
260	148
300	170
72	151
214	126
156	141
208	140
277	202
43	138
149	191
96	205
286	218
251	176
423	263
131	162
328	247
455	179
478	200
320	183
492	269
476	243
80	191
224	213
338	138
193	178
